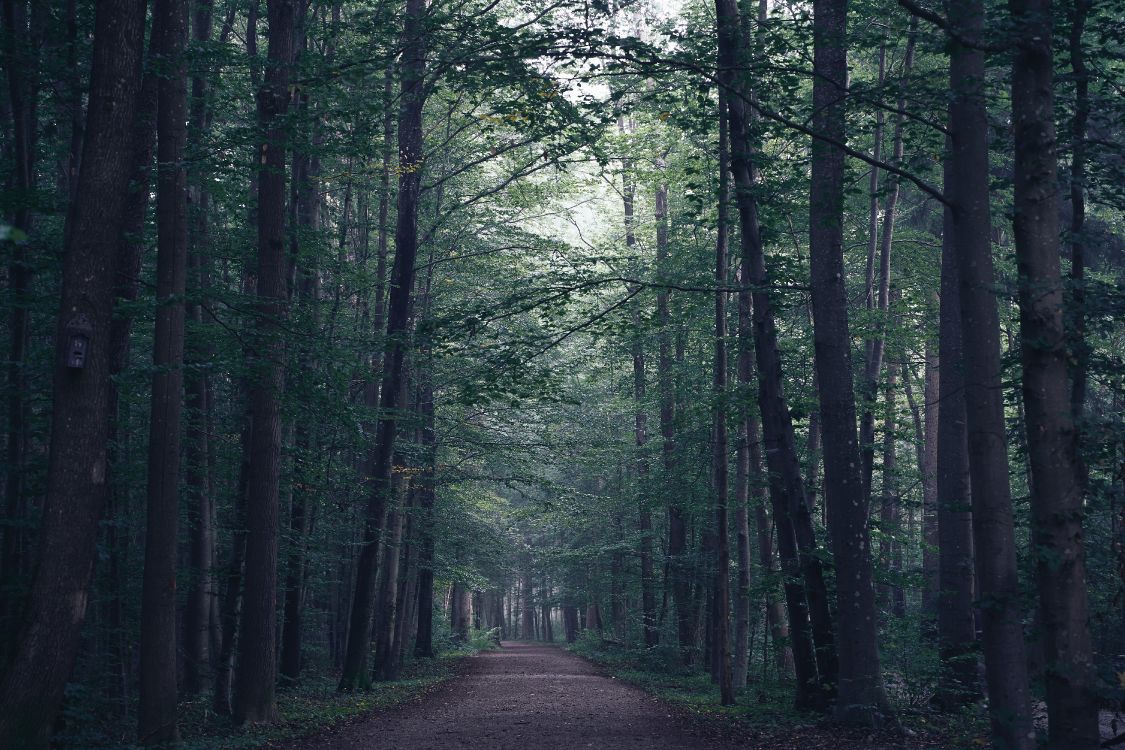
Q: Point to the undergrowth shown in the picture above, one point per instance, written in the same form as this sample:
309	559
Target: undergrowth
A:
766	704
304	709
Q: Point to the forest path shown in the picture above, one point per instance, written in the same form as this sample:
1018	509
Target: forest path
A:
525	696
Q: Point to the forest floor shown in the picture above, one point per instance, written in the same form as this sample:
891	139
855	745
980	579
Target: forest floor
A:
529	695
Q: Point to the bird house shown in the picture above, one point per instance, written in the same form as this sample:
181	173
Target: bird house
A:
79	331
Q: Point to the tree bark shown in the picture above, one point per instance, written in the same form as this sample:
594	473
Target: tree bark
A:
677	526
201	594
1077	333
721	610
1057	486
927	464
876	345
31	689
742	478
805	593
254	687
383	667
231	610
21	63
411	159
993	530
156	718
640	436
955	626
423	644
890	513
860	697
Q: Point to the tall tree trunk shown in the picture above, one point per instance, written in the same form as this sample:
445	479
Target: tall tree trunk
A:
813	443
254	687
31	689
1079	9
677	525
927	465
955	626
406	599
231	610
157	713
200	598
384	634
876	345
721	611
742	479
20	50
1056	492
423	643
305	204
860	697
127	265
805	593
993	531
890	512
527	600
411	159
460	611
640	434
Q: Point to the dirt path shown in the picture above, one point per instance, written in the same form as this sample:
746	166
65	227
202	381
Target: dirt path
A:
523	697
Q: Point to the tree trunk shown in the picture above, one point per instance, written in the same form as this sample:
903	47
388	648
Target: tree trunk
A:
31	689
876	345
411	159
406	599
157	712
955	626
423	644
200	597
890	513
384	668
527	600
304	204
127	264
459	614
254	686
21	63
1077	334
231	614
993	531
640	434
805	592
746	472
677	526
1057	491
927	464
860	697
721	610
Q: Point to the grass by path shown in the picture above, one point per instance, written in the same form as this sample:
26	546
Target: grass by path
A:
315	706
310	707
764	716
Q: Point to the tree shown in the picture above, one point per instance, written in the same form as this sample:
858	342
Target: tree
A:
1057	486
32	687
253	700
955	628
157	713
993	531
410	163
859	697
721	610
806	600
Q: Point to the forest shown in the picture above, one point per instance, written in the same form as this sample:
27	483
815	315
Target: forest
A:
766	353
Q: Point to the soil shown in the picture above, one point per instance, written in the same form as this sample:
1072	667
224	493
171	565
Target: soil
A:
524	696
529	696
